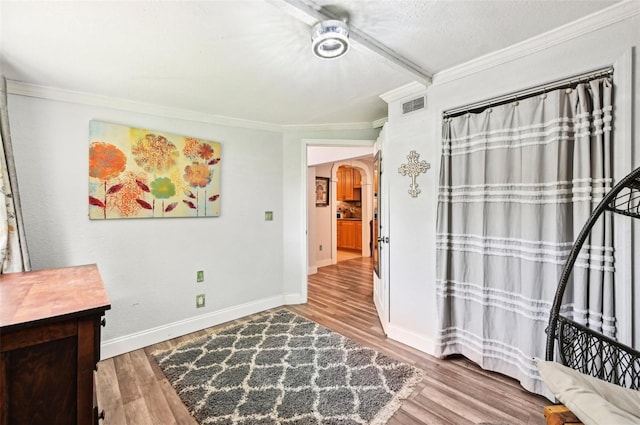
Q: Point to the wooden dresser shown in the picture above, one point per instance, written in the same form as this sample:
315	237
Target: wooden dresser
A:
49	345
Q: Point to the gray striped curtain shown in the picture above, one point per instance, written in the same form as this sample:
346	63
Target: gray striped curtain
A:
517	183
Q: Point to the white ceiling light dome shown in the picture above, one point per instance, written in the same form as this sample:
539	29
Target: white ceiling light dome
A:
330	39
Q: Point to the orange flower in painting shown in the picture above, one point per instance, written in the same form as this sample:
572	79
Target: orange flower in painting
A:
205	151
105	161
155	153
197	174
191	147
125	199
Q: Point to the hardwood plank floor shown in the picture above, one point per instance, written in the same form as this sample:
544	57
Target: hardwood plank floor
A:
133	391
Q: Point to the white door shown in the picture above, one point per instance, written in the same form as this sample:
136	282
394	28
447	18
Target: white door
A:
380	235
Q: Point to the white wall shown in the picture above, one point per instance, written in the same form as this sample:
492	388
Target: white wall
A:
322	229
412	226
325	154
311	220
149	265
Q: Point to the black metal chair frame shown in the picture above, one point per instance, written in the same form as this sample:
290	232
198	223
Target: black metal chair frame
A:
580	347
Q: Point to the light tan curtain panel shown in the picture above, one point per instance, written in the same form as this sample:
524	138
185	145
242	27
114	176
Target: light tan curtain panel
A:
14	256
517	183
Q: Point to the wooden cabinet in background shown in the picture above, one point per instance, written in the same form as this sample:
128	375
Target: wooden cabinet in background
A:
357	184
340	184
348	185
349	234
50	324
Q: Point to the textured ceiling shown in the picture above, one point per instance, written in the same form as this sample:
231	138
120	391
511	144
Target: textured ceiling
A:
251	59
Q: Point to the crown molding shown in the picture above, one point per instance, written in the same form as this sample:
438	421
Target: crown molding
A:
590	23
380	122
328	127
61	95
407	90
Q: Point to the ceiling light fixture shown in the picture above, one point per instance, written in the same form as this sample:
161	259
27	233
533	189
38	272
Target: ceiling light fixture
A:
330	39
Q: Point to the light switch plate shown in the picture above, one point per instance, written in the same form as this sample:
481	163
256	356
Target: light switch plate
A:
268	216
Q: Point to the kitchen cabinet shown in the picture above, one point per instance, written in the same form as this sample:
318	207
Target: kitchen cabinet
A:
348	185
50	324
349	234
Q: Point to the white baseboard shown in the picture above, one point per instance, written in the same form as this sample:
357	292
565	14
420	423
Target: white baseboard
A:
324	263
137	340
291	299
410	338
321	263
385	324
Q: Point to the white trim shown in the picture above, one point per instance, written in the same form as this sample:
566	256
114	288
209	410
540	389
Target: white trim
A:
380	122
312	270
380	309
290	299
124	344
328	127
337	143
624	228
410	338
324	263
90	99
83	98
407	90
594	22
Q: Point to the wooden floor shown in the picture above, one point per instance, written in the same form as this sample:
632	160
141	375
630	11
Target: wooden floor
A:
348	254
133	391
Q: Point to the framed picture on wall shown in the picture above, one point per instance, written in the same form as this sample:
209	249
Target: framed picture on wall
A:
141	173
322	191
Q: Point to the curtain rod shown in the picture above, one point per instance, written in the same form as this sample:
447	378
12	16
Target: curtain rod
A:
532	91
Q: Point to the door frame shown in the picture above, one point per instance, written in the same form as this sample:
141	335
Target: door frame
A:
304	231
381	281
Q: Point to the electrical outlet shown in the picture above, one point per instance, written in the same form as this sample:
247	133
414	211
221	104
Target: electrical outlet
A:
200	301
268	216
200	276
320	247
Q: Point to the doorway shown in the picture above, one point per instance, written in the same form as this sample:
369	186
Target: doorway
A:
325	222
310	245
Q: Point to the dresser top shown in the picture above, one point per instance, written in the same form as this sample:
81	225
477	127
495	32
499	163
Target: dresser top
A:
50	294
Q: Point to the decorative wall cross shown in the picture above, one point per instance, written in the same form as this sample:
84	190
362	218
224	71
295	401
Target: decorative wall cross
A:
412	169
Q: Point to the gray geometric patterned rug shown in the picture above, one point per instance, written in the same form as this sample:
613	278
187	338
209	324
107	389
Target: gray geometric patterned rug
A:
281	368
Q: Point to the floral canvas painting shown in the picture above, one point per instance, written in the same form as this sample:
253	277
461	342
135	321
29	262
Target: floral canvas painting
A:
138	173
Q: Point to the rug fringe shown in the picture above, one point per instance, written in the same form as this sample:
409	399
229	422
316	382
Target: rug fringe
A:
390	409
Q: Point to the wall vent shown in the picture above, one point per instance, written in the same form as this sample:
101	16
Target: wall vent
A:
413	105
